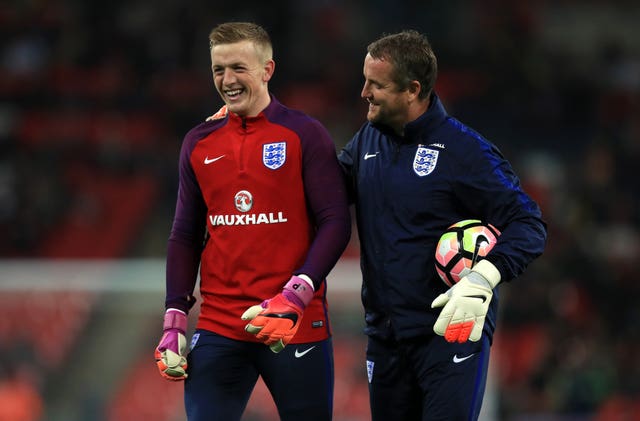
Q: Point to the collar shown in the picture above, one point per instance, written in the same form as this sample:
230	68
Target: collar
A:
419	128
428	121
267	113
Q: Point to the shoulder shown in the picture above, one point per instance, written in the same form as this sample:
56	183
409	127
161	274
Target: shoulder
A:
311	133
203	129
294	119
368	131
461	137
198	133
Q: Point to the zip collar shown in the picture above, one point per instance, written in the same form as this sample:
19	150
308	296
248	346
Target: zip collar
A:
418	129
267	113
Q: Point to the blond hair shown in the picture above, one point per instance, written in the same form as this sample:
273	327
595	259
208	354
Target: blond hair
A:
232	32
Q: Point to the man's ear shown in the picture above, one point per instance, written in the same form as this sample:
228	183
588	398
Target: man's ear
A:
414	89
269	68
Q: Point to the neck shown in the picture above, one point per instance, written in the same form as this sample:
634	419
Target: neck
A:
416	109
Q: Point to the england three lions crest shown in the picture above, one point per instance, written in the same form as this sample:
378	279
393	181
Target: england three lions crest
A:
425	161
274	154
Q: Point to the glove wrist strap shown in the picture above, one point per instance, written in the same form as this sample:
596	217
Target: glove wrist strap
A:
175	319
488	272
298	291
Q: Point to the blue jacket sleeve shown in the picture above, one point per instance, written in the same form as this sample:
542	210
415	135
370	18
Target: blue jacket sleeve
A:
491	189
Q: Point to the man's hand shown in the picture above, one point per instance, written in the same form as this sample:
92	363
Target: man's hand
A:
170	351
276	320
466	304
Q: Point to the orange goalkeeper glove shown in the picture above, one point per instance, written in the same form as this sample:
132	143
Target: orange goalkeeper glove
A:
171	349
466	304
276	320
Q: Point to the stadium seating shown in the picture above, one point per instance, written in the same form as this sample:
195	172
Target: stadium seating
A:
44	325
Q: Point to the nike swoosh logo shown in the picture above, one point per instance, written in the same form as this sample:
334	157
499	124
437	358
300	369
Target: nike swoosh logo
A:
299	354
457	359
370	155
476	252
208	161
291	316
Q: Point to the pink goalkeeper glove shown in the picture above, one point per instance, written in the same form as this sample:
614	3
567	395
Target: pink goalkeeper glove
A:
170	351
276	320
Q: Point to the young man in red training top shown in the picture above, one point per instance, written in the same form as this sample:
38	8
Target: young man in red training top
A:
262	210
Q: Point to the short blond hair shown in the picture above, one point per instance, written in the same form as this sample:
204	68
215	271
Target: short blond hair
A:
232	32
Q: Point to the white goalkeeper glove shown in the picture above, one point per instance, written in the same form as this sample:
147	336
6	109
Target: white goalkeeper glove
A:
466	304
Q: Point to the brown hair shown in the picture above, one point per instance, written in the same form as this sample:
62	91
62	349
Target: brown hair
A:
412	57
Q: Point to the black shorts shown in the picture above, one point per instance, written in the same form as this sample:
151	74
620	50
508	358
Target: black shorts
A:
426	379
222	373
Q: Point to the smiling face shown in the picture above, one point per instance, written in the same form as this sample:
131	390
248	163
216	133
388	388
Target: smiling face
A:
388	104
241	73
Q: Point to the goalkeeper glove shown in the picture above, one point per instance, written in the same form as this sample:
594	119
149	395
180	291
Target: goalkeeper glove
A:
466	304
276	320
221	113
170	351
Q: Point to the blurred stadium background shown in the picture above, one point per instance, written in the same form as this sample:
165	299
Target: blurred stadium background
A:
96	96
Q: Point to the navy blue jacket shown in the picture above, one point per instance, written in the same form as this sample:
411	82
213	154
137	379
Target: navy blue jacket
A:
407	191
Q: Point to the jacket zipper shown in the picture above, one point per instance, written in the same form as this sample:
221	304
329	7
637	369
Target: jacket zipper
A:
242	143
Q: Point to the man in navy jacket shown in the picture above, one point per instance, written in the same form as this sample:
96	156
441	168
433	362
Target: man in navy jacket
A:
413	171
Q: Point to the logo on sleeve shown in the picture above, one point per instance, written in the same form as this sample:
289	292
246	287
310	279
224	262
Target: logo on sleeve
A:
425	161
194	341
274	154
370	365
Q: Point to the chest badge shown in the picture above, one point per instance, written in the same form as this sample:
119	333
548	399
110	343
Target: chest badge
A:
274	154
425	160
